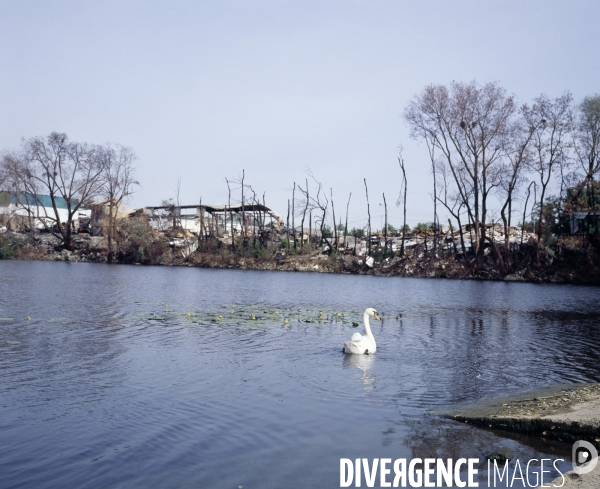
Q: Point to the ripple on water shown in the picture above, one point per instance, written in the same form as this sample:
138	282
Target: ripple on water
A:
199	378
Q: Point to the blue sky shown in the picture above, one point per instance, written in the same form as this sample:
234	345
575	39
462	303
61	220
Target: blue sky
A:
202	90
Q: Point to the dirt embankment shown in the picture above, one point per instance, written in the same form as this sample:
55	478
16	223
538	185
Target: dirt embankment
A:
561	265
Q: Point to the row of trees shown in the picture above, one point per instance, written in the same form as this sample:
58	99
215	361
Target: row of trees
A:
484	149
70	173
313	201
488	154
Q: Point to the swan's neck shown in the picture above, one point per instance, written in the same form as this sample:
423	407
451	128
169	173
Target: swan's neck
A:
367	326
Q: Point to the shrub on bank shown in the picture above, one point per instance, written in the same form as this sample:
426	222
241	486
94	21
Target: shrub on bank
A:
9	246
141	246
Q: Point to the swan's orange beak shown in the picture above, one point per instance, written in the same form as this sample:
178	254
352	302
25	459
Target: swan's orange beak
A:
377	317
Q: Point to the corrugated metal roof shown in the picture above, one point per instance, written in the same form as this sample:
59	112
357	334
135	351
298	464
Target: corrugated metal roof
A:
26	198
218	207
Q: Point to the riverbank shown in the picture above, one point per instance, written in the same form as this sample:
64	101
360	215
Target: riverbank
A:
564	263
572	480
566	413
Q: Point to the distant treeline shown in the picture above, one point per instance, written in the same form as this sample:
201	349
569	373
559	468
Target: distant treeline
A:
493	160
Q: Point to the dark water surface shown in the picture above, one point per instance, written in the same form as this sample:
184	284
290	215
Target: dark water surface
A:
127	377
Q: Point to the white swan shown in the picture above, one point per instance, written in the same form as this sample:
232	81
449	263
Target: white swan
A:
363	345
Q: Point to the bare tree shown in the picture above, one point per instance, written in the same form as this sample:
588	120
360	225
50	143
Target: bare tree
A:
586	143
335	231
293	213
432	159
244	221
320	203
525	208
306	202
230	214
3	172
287	225
551	122
254	201
453	202
310	229
467	124
346	225
402	196
117	181
385	224
17	180
369	213
254	220
517	148
255	214
69	173
201	234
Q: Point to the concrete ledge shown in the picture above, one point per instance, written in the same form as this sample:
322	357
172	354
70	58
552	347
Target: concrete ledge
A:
566	413
575	481
562	412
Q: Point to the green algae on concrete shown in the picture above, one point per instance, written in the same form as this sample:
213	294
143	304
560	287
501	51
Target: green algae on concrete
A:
566	413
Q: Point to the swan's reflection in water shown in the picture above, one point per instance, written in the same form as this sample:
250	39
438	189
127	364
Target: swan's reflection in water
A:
261	404
364	363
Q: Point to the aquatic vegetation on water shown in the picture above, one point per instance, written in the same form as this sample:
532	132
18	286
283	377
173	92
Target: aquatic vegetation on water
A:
253	316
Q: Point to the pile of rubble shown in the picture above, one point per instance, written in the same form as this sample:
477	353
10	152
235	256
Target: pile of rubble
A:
444	239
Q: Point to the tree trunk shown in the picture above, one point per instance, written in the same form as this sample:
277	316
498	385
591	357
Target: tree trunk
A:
310	230
462	236
244	222
452	236
369	222
505	224
386	226
346	224
294	212
202	225
401	161
334	236
471	231
304	214
524	212
110	223
230	215
287	225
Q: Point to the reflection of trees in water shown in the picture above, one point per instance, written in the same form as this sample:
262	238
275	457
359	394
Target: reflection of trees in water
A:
64	360
433	437
364	363
473	353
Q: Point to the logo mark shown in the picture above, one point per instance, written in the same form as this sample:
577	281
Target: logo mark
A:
584	452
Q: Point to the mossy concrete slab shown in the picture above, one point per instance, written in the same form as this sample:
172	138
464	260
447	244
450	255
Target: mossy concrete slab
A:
564	412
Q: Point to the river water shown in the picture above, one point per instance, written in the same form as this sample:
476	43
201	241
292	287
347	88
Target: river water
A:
156	377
